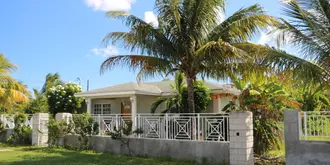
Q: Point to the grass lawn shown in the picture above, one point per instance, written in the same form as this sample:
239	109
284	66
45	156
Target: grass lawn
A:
58	156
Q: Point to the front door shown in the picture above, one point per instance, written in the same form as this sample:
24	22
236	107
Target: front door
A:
126	108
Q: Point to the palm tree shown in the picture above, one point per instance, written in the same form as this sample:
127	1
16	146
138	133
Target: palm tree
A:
308	29
51	80
190	38
173	104
11	91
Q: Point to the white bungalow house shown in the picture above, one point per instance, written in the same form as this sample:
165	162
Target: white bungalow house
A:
132	98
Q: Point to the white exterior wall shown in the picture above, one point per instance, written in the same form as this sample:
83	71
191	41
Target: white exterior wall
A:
115	104
219	103
225	101
144	104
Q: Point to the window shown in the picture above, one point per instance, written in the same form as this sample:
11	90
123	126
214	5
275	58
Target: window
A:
106	108
102	109
97	108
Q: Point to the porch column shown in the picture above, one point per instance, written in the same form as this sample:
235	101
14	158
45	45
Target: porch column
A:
219	105
134	111
89	105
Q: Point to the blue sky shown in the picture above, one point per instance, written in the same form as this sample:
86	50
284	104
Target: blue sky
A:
64	36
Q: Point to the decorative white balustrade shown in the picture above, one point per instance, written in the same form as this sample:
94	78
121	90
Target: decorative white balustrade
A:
9	123
315	125
203	126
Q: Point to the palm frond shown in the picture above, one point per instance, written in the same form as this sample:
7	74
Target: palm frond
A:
243	25
308	28
157	103
146	64
5	66
281	61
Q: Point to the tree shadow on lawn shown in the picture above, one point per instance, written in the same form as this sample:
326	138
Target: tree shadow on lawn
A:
68	157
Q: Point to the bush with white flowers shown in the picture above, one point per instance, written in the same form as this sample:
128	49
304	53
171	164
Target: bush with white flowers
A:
61	98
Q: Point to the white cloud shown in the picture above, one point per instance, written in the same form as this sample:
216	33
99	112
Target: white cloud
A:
104	52
151	18
110	5
285	1
264	38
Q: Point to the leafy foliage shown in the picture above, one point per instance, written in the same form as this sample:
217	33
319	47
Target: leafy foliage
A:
308	30
52	80
266	99
38	104
12	92
2	127
57	130
85	127
179	103
313	97
22	133
62	99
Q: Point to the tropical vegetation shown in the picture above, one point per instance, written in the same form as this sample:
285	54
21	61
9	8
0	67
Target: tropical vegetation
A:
61	98
179	102
12	92
37	104
191	38
266	98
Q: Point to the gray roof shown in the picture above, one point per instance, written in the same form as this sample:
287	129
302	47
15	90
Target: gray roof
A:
153	88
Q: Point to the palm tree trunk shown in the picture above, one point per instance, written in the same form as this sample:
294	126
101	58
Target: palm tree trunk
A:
191	104
191	100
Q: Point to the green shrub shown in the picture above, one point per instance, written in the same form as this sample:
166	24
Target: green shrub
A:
57	130
2	126
84	126
61	98
22	133
126	130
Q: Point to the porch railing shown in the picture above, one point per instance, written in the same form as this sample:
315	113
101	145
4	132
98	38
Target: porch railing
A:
202	126
315	125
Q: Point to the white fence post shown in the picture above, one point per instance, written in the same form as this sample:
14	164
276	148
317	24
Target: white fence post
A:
116	122
40	129
100	129
60	117
198	127
241	138
139	124
166	126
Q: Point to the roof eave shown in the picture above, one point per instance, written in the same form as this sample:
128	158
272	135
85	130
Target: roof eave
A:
108	94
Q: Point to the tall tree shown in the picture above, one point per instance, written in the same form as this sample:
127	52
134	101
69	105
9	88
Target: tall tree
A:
308	30
51	81
11	90
190	38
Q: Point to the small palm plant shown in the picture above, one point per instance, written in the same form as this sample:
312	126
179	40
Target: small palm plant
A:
266	100
178	103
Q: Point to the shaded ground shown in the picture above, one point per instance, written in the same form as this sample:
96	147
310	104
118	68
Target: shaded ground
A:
59	156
